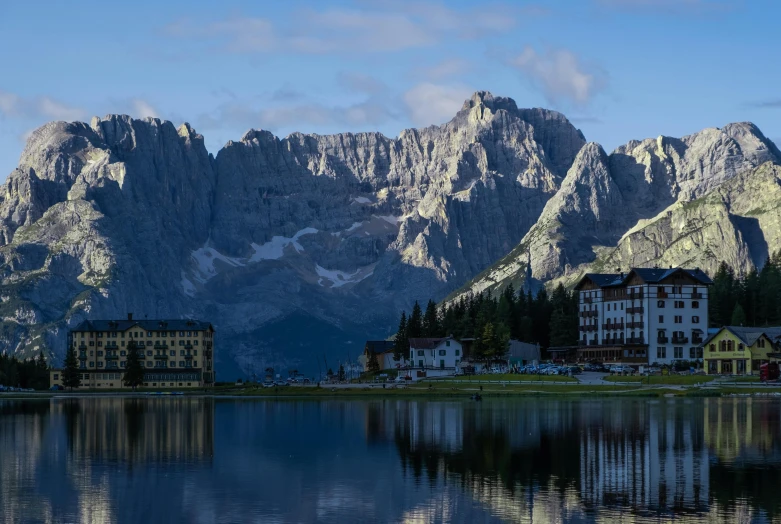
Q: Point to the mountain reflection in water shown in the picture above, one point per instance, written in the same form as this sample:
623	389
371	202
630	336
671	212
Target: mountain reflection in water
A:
192	459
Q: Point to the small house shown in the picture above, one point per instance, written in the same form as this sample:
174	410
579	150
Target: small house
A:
739	350
435	353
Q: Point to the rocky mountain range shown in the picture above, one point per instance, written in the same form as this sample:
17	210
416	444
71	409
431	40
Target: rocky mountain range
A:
300	248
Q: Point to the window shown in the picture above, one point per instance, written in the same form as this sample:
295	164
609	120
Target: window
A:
181	342
195	343
123	335
679	304
660	303
195	352
181	333
100	364
740	347
149	333
458	352
122	364
420	352
447	343
100	335
622	306
442	352
55	377
661	352
695	319
189	333
723	345
760	342
123	353
730	345
148	364
92	364
100	353
695	304
100	344
678	319
123	343
692	352
712	348
661	319
678	352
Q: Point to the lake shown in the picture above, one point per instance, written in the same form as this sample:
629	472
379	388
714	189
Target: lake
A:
203	460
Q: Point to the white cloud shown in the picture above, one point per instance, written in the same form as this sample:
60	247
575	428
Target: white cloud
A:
369	113
37	108
560	74
142	109
361	83
432	104
376	26
446	69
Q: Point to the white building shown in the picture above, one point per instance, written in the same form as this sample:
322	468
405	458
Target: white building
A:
435	353
645	316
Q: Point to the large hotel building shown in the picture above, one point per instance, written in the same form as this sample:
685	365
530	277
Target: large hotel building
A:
644	316
174	354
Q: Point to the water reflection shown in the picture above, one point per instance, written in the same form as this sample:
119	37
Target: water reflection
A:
538	460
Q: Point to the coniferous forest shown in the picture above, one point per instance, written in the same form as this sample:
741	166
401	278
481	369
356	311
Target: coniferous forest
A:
30	373
548	319
753	299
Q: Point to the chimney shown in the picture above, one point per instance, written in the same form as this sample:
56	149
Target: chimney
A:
130	316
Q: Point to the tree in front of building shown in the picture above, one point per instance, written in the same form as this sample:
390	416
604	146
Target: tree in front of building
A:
401	343
341	373
71	375
373	365
134	371
415	322
738	316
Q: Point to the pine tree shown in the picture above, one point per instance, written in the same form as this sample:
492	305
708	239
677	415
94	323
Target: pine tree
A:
415	322
134	371
373	364
401	343
341	372
431	326
738	316
71	376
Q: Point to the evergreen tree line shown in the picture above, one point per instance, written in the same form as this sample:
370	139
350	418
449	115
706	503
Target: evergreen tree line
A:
546	319
29	373
753	299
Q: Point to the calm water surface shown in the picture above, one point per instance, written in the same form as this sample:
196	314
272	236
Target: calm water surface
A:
103	460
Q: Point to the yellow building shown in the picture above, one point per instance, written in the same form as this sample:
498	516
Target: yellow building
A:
174	354
739	350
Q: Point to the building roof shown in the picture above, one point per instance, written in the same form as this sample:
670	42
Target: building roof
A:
379	346
748	334
647	274
179	324
523	350
426	343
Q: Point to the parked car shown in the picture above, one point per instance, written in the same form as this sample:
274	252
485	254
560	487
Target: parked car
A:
575	370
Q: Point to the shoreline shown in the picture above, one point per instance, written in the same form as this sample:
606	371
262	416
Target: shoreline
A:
440	390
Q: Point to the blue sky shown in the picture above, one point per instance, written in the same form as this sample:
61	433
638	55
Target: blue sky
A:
619	69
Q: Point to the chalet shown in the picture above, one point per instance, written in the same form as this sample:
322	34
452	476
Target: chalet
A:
435	353
740	350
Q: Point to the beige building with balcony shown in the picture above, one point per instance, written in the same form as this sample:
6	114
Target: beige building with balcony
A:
174	353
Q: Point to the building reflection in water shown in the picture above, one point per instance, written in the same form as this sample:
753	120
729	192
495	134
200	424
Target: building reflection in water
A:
59	457
592	461
139	430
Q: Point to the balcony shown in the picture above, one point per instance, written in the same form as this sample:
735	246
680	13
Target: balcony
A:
661	294
188	357
635	296
680	340
82	356
697	340
83	346
635	310
188	346
111	345
662	340
697	295
111	357
161	346
207	353
161	356
588	300
634	340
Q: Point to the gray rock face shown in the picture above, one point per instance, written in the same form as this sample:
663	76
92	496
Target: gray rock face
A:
636	207
336	231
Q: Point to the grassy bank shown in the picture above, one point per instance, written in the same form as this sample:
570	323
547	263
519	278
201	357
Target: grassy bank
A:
507	377
662	380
